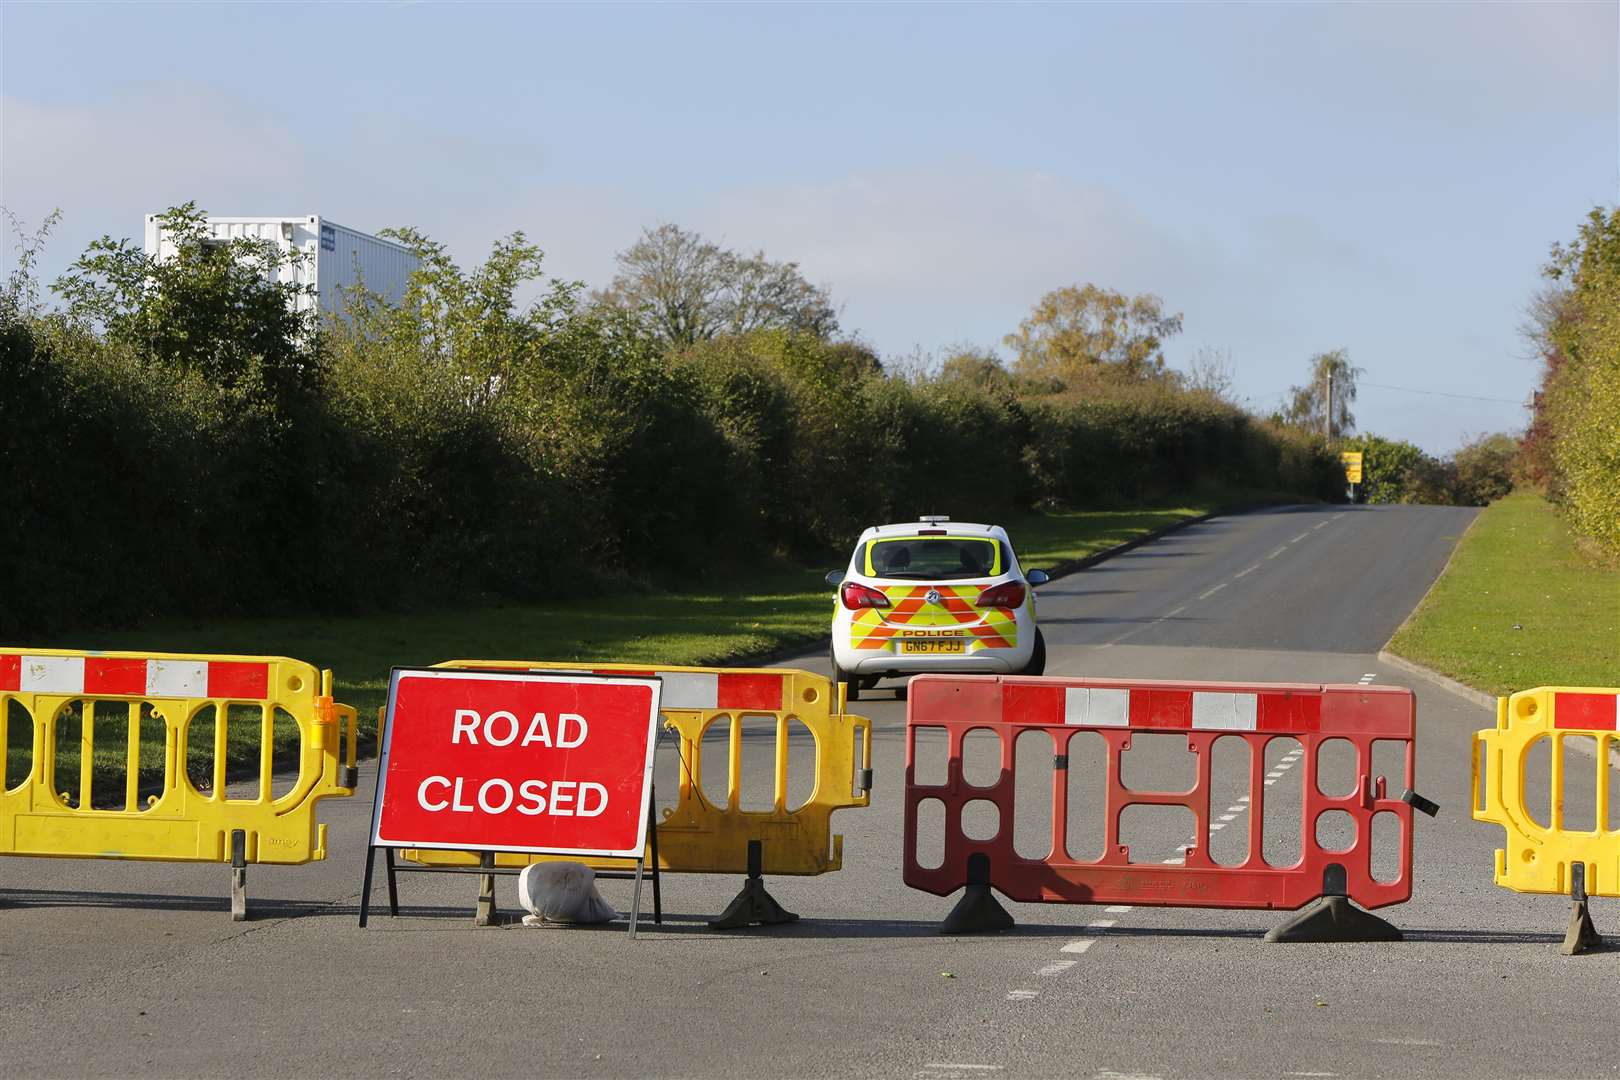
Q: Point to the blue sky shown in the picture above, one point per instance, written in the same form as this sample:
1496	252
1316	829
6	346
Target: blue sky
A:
1385	178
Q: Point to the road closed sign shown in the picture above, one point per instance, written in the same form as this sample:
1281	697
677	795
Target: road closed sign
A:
516	761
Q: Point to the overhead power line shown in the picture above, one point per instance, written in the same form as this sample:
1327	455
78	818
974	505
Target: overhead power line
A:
1438	393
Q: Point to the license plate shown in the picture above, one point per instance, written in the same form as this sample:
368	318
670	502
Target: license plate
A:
932	645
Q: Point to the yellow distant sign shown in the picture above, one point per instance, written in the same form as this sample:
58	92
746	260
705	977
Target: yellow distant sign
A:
1351	459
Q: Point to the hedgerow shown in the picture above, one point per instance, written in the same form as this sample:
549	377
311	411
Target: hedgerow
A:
457	447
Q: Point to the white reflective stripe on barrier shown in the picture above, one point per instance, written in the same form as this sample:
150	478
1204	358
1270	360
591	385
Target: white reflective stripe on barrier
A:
1099	708
1225	712
690	689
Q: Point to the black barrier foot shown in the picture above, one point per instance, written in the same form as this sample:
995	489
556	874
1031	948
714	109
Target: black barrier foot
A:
1334	918
238	876
978	912
1582	934
753	905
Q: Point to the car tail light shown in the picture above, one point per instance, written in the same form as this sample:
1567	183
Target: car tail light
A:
1009	594
856	596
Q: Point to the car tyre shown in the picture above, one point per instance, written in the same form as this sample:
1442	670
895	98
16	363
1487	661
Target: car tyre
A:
1037	658
839	675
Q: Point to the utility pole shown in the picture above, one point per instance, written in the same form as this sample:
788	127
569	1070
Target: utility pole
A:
1330	405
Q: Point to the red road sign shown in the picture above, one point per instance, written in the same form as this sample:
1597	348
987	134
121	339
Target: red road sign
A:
516	761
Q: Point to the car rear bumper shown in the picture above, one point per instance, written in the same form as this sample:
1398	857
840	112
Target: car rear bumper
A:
982	661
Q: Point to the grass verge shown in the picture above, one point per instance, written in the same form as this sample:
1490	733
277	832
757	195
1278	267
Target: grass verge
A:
778	607
1519	606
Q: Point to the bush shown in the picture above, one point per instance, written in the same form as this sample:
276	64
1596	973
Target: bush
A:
1389	467
1573	449
1483	470
1092	452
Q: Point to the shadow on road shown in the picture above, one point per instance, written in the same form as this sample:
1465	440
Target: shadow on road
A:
258	909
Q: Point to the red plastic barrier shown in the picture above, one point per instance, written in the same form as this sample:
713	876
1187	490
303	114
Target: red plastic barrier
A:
1204	712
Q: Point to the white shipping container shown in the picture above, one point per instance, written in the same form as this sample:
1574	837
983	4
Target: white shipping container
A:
336	257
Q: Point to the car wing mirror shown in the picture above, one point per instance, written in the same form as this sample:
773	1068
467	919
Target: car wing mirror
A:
835	578
1037	578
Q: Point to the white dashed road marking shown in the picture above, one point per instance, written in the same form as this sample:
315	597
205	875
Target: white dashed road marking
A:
1250	570
1300	537
1057	967
1117	909
1278	552
1022	995
1212	592
953	1066
1100	924
1078	946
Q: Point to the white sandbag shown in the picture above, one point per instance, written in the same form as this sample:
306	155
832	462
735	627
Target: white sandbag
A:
562	892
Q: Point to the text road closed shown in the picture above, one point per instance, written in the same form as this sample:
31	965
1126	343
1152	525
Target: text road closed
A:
517	762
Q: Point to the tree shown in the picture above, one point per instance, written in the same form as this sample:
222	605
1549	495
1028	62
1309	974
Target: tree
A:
467	323
1075	334
1551	309
1210	371
682	289
1308	407
223	309
976	367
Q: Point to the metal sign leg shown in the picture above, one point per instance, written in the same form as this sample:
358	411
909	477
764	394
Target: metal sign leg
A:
485	915
365	885
635	900
657	876
393	883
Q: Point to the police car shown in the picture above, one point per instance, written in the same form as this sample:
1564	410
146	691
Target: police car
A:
934	595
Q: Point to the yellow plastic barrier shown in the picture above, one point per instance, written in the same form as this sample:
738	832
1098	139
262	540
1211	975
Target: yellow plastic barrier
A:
1551	858
67	697
699	837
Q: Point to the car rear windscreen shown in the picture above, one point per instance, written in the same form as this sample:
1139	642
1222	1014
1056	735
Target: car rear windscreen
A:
933	558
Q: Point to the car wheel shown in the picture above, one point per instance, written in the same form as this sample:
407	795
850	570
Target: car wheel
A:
851	683
1037	658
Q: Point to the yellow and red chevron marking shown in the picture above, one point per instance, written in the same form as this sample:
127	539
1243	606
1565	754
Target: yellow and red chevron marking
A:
909	604
874	629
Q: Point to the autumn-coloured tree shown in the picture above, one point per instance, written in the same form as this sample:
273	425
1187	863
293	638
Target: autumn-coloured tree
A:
1078	333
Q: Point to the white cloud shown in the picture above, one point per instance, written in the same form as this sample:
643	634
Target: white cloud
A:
107	166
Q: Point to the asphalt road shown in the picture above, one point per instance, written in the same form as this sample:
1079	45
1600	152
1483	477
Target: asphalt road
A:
130	969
